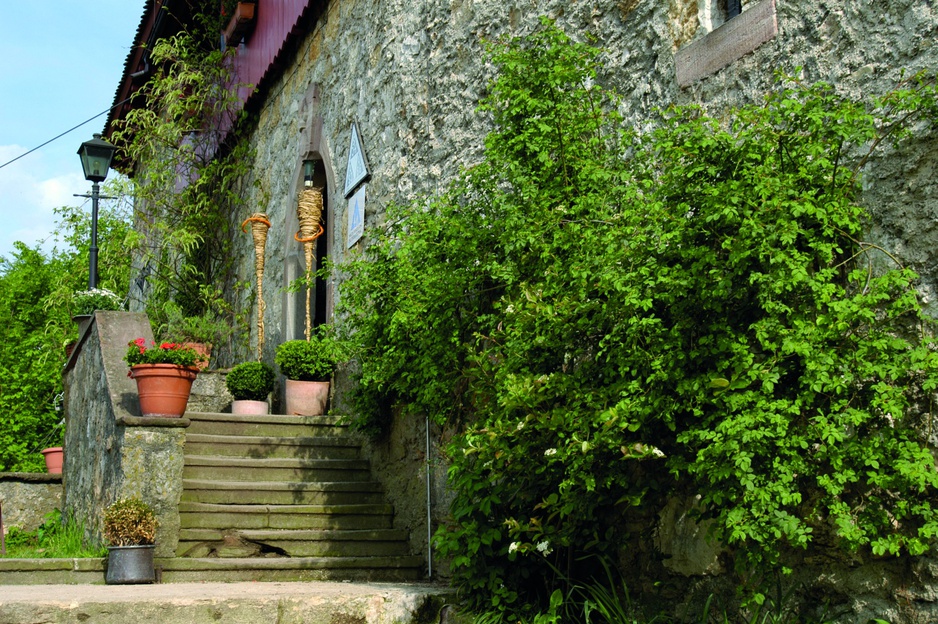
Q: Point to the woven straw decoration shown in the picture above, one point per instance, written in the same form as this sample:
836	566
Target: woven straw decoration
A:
259	227
309	212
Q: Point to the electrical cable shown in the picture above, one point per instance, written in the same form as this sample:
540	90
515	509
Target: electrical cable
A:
55	138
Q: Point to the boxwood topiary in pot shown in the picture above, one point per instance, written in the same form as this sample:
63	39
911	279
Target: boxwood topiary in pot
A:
130	529
308	366
250	383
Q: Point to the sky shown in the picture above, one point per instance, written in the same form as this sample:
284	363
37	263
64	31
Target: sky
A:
61	63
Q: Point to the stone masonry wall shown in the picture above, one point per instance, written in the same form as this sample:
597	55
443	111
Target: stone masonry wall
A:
110	451
26	498
410	73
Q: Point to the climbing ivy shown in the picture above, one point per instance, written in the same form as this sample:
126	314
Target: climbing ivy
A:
610	318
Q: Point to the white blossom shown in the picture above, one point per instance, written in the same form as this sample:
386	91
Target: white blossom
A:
550	451
513	547
544	547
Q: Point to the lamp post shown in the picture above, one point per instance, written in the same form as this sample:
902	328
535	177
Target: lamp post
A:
96	156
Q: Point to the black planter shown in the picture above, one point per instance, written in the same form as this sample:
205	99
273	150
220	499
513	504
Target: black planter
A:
129	565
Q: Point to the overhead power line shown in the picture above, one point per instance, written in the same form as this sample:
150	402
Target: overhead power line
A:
89	120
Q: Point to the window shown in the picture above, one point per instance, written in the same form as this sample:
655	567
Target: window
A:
736	28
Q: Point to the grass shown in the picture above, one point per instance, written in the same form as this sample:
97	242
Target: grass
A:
54	539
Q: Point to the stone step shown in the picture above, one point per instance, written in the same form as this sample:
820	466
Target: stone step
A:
341	517
261	543
273	425
324	447
281	493
206	569
277	469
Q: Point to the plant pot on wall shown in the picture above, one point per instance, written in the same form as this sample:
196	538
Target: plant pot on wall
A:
130	565
306	398
163	388
53	456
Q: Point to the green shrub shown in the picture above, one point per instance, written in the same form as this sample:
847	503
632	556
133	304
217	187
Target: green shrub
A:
313	360
250	381
129	522
609	319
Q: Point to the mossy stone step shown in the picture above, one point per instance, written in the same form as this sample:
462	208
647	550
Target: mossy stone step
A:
321	447
260	543
202	569
88	571
272	425
282	492
211	516
275	469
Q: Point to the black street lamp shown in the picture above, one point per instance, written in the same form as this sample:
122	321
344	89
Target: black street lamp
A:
96	156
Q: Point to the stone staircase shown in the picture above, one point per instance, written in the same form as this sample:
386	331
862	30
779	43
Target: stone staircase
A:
283	498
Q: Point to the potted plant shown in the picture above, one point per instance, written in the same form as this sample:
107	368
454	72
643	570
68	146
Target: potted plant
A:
198	332
130	530
86	302
250	383
308	366
164	374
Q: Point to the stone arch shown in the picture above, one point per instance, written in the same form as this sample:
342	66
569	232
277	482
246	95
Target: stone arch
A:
312	147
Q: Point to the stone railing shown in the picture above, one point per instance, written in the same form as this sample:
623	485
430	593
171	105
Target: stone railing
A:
27	497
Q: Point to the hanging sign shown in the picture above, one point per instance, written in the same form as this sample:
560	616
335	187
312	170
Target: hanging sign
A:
356	216
357	170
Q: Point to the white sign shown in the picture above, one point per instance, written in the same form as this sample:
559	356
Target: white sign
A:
356	216
357	170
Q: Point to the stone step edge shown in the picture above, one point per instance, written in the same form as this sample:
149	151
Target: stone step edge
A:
311	441
195	485
226	461
306	535
268	419
287	563
88	564
350	509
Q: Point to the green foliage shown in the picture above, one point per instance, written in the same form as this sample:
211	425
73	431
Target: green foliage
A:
612	318
56	538
250	381
37	290
313	360
129	522
182	140
163	353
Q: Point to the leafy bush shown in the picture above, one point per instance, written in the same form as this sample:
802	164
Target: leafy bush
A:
37	288
129	522
88	301
250	381
313	360
164	353
612	318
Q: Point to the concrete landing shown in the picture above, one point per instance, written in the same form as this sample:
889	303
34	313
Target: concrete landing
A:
227	603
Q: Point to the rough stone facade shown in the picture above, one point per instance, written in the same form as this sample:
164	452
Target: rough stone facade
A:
410	74
26	498
110	451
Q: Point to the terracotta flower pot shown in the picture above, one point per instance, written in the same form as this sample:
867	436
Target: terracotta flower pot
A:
204	349
163	388
245	406
53	457
307	398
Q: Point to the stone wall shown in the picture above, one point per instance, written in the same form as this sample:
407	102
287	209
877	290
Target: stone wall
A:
410	73
26	498
111	452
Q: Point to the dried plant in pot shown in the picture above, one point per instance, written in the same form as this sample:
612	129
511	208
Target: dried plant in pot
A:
130	530
250	383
